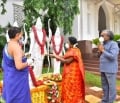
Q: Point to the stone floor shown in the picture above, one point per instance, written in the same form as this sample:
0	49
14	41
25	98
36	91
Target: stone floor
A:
94	95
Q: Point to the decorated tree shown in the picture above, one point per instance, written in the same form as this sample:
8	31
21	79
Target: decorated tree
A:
61	13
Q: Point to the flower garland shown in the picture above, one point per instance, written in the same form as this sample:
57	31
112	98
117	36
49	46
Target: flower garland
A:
54	46
53	94
34	81
41	45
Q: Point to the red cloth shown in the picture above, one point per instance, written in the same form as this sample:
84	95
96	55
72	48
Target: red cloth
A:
35	82
73	88
54	45
41	45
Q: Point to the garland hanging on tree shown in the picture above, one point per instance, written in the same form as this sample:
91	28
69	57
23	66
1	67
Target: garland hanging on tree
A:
54	46
41	45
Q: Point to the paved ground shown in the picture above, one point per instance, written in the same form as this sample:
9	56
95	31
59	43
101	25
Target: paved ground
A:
94	95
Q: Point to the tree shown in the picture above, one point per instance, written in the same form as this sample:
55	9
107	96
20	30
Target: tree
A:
3	11
2	5
61	13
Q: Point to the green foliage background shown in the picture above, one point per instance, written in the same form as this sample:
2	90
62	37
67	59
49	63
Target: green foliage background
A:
2	6
2	43
61	13
116	38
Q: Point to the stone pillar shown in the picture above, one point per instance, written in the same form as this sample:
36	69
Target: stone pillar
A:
85	47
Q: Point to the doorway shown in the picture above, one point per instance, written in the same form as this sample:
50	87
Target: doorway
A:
101	20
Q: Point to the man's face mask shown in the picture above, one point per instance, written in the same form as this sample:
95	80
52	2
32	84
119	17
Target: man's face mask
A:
101	40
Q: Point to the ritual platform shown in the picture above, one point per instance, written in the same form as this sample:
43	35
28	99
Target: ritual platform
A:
48	92
41	94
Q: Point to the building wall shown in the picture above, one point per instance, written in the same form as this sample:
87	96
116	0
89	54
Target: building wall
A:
85	25
8	17
88	19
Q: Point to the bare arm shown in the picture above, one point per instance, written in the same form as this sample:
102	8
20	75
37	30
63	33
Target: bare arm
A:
67	60
17	54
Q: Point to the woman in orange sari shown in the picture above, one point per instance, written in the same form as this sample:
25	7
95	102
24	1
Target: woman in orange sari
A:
73	87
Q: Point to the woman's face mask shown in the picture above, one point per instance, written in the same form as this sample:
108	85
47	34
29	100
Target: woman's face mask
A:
67	46
21	40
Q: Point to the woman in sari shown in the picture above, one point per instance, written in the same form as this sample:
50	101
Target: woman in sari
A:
15	69
73	88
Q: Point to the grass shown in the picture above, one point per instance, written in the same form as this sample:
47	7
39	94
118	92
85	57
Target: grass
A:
95	80
1	75
45	69
90	78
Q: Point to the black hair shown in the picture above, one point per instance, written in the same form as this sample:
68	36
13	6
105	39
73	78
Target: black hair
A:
72	40
110	34
13	31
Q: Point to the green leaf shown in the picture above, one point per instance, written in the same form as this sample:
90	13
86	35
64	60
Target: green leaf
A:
61	13
95	41
3	2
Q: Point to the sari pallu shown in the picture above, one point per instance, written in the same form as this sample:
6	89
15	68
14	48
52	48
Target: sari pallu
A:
73	88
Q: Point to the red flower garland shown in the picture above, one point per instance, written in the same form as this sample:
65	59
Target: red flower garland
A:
53	94
41	45
54	46
35	82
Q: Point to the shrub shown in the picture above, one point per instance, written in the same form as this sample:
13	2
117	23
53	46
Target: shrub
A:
2	43
96	40
116	37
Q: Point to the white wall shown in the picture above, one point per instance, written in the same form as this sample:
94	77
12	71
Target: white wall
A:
9	15
89	23
92	24
89	16
76	27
